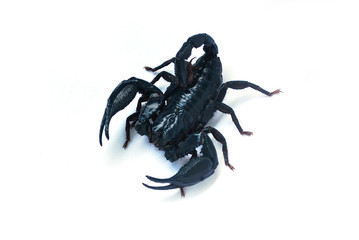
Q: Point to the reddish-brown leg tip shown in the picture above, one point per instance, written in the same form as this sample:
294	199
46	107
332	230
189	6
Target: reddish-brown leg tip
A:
275	92
182	192
149	69
230	166
247	133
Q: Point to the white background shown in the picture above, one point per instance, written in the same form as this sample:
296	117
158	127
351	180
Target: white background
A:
295	178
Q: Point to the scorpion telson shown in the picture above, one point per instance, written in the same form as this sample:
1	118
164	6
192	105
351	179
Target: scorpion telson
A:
175	120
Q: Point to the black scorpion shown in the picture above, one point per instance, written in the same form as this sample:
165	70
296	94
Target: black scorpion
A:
175	121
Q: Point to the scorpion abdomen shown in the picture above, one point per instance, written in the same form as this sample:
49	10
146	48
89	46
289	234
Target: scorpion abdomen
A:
185	108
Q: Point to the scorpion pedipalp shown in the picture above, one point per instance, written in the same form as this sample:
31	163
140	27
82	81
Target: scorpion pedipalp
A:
196	169
123	94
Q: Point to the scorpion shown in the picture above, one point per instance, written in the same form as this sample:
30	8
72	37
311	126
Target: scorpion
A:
175	120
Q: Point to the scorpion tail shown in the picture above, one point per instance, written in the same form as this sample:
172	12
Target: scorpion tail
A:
181	65
194	171
209	46
123	94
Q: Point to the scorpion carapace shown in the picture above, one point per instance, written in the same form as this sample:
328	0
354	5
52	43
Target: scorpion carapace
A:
175	120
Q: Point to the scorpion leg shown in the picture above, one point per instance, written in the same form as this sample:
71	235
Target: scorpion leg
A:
166	76
142	99
166	63
220	138
196	169
227	109
241	85
132	118
123	94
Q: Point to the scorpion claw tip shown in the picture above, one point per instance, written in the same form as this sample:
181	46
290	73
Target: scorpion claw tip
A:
167	187
159	180
107	133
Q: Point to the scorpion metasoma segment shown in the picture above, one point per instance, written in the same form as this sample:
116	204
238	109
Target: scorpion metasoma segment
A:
175	121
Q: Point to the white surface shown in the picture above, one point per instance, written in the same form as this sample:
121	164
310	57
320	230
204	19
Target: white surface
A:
295	178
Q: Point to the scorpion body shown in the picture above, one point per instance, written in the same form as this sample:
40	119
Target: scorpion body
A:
184	112
175	121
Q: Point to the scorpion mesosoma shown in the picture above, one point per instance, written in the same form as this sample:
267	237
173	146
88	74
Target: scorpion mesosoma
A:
175	121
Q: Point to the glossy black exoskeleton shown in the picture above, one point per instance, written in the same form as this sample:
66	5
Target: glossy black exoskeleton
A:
175	121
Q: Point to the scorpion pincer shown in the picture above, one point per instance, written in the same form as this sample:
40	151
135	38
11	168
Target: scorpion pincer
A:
175	120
